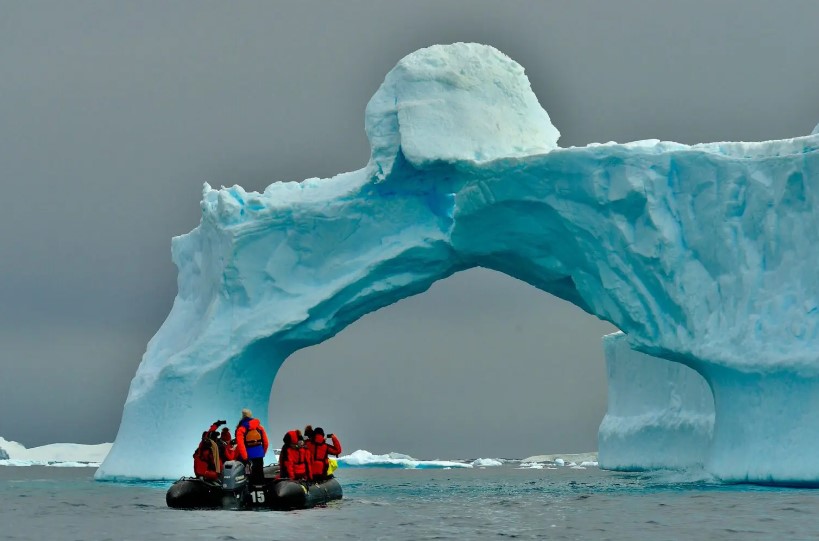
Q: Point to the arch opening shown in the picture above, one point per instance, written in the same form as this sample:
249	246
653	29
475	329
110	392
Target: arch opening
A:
479	363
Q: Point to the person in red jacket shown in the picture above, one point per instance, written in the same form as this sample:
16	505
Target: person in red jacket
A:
319	451
230	449
293	460
251	445
206	462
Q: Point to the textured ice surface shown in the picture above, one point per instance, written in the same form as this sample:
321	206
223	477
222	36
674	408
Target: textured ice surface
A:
660	413
443	87
701	254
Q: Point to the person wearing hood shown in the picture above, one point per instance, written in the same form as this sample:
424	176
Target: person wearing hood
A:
319	451
206	461
293	460
229	444
251	445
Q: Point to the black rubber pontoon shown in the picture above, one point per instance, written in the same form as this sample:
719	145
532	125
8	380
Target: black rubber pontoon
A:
235	492
289	494
194	493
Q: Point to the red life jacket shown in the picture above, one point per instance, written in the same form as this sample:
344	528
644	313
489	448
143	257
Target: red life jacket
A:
319	451
206	461
293	460
230	451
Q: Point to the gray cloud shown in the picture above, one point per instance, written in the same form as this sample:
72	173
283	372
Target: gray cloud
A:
113	114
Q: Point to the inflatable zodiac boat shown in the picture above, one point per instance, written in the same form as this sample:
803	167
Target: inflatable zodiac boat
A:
235	492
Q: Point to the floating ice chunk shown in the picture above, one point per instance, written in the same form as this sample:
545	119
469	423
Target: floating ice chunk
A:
571	457
483	462
365	459
16	462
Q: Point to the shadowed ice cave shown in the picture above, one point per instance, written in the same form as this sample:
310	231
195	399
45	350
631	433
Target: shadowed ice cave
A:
701	254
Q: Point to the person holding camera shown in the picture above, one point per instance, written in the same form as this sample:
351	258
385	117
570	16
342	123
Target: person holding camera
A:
209	455
319	451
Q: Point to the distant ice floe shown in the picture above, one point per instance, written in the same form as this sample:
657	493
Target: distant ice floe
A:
60	455
576	461
365	459
486	462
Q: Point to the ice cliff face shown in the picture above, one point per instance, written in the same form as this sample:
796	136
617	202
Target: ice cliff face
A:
660	413
701	254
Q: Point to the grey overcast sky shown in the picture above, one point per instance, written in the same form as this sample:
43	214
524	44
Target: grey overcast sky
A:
113	114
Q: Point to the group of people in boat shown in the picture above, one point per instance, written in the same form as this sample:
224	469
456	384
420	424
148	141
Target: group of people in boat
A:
305	456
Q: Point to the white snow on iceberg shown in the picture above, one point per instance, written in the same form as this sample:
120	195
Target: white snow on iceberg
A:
703	255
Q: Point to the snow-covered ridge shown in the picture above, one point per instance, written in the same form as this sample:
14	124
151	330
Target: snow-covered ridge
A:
53	454
701	254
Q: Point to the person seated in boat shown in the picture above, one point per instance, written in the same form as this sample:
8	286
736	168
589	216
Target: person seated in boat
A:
206	462
213	433
229	444
251	445
319	451
293	460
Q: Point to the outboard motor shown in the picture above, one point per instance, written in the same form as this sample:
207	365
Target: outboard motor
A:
234	484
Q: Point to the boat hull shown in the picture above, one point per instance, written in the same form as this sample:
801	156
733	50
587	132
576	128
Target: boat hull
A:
278	494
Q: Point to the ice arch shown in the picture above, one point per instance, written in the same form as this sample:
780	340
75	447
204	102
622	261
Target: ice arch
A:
700	254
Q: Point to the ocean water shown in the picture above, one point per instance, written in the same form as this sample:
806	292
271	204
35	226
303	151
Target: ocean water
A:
397	504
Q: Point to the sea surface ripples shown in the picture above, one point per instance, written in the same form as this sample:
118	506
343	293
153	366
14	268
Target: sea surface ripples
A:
493	503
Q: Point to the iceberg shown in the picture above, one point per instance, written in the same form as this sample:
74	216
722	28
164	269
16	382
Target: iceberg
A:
701	254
